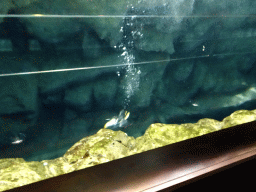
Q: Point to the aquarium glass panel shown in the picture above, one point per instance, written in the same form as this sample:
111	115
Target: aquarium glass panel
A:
121	77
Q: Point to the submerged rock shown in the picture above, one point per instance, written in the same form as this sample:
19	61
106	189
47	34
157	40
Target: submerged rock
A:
107	145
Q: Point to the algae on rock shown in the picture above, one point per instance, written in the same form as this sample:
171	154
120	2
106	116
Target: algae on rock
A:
107	145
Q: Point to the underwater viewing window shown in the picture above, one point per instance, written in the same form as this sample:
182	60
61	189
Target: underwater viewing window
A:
89	86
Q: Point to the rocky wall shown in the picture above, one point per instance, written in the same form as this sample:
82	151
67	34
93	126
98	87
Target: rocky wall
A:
108	145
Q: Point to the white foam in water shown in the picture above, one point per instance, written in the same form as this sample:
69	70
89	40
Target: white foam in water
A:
132	74
132	78
132	81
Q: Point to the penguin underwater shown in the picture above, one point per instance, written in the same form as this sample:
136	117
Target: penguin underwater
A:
118	121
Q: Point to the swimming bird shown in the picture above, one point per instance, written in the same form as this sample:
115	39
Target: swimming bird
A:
118	121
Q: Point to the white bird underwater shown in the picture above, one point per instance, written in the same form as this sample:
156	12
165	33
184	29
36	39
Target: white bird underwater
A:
118	121
18	139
